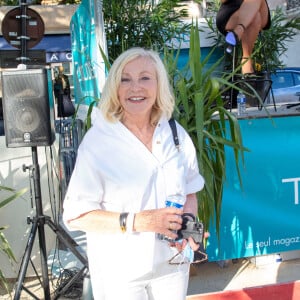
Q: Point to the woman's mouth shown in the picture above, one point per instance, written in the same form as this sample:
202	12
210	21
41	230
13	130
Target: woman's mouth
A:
136	99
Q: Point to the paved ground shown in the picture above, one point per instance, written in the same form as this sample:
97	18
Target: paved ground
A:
213	277
210	277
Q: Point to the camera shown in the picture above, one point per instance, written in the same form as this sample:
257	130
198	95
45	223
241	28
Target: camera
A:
191	227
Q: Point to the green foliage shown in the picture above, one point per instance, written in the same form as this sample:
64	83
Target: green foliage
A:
141	23
4	245
271	46
200	110
9	2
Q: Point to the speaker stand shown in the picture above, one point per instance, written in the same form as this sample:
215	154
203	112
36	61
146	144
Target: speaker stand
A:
38	225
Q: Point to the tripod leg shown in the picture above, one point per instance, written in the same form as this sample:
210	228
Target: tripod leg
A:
30	293
25	260
44	266
65	239
292	105
36	226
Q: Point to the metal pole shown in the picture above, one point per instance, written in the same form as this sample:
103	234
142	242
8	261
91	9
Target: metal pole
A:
41	222
38	225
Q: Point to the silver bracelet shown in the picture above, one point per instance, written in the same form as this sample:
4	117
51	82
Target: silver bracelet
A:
130	222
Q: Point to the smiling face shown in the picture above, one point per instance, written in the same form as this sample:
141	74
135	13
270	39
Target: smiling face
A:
137	91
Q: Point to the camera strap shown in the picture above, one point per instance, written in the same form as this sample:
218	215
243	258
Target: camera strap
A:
172	124
199	255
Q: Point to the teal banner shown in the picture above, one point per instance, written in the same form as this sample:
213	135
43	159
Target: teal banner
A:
261	216
87	36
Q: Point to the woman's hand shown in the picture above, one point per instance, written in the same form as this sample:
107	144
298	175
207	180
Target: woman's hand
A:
165	221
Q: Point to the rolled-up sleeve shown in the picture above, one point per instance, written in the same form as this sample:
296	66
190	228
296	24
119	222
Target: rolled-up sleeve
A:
85	189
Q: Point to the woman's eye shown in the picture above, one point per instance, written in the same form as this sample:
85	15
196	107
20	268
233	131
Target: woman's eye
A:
145	78
124	79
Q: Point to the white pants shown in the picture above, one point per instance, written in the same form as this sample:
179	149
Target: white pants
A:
166	282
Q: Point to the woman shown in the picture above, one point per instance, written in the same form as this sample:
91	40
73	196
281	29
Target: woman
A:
126	167
242	20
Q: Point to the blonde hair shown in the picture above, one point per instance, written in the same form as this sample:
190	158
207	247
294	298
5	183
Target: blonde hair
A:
110	104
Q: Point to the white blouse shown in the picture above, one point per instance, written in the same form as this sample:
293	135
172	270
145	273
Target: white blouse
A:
115	171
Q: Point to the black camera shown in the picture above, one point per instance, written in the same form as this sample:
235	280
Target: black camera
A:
190	227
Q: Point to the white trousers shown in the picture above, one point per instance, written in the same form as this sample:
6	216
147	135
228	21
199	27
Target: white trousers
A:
166	282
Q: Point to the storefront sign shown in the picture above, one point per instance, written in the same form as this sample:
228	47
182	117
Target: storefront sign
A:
53	57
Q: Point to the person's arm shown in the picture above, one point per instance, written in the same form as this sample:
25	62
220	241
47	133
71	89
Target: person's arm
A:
155	220
191	204
96	220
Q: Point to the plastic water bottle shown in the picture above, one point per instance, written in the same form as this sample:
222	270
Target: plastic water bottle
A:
176	200
241	104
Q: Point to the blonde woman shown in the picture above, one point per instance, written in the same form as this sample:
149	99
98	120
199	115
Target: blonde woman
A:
127	166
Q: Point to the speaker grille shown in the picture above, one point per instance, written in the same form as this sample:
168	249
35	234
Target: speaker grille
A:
26	109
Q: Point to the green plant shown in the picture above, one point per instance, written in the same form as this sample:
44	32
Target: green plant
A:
4	245
200	110
272	44
145	23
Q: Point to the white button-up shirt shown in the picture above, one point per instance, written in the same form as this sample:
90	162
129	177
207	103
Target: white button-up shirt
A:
115	171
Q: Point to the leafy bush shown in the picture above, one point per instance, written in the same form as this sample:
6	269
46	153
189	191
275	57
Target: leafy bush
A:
144	23
200	110
4	245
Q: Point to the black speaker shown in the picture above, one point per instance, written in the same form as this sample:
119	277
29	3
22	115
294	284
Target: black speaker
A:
26	108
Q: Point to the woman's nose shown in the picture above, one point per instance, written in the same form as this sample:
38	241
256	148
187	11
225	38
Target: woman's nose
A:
135	85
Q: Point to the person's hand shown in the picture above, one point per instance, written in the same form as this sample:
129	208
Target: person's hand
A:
180	245
165	221
195	246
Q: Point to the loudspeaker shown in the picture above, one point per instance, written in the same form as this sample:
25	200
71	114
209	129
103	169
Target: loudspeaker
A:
26	108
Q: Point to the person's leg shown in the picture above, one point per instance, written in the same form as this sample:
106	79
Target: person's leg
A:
173	285
167	282
246	14
248	40
246	23
118	289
